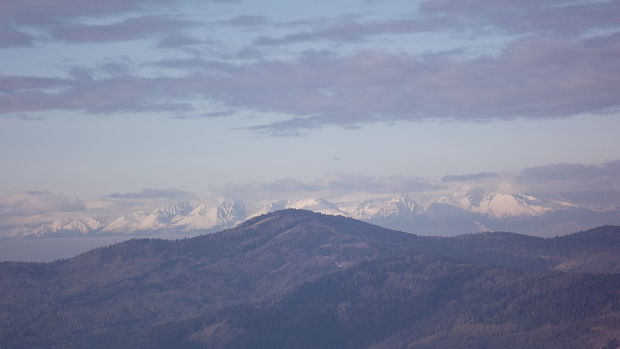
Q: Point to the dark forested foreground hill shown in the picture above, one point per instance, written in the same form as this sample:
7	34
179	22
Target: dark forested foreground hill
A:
297	279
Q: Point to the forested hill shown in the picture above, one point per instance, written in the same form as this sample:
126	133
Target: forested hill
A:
297	279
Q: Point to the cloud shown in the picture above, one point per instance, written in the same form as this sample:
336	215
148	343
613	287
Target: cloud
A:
13	84
596	185
105	95
68	20
247	21
578	172
469	177
378	185
331	186
33	9
128	29
150	193
349	30
218	114
31	203
534	78
175	41
561	17
10	37
290	185
197	64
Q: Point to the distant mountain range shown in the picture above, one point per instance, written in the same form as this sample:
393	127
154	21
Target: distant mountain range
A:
298	279
458	213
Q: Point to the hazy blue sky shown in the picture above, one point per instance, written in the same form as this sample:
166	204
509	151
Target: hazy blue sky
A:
98	97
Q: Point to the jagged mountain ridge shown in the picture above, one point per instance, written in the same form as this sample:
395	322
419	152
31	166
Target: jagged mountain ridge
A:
299	279
182	216
461	212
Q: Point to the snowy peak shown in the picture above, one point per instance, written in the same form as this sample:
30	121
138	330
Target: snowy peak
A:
82	225
317	205
183	216
465	210
381	207
125	224
498	205
230	212
312	204
171	212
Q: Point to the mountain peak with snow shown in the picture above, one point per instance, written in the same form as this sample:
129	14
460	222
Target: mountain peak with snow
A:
183	216
457	212
495	204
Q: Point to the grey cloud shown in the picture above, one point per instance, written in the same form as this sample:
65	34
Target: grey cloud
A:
477	6
596	185
12	84
218	114
26	117
577	172
64	19
469	177
178	41
287	128
193	64
382	185
98	96
328	186
246	21
212	115
353	30
563	17
532	78
128	29
32	9
290	185
10	37
150	193
37	202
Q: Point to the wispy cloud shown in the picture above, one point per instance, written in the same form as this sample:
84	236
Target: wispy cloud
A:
330	186
10	37
68	20
150	193
127	29
14	84
35	9
533	78
563	17
175	41
37	202
246	21
596	185
349	30
469	177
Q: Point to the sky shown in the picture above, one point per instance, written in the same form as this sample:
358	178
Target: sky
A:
109	97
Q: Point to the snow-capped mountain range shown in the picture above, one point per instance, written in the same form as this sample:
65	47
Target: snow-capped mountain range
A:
182	217
459	212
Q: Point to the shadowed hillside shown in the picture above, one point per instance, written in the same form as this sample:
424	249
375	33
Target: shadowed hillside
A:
299	279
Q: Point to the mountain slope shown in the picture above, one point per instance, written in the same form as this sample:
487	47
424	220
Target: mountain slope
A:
294	270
